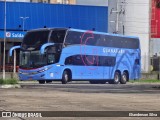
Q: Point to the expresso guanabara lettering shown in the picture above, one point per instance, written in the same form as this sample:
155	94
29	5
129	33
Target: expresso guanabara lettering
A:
108	50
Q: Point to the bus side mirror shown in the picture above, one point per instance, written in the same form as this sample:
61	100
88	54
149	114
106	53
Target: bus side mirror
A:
13	48
43	47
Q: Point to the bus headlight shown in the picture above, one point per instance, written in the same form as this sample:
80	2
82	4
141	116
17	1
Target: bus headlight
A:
45	69
51	74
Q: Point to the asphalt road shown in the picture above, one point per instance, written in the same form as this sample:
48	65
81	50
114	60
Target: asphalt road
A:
82	97
85	87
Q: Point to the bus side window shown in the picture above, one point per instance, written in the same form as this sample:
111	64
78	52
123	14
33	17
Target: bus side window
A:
69	61
108	41
101	41
53	37
97	39
57	36
73	38
94	40
109	61
77	60
91	60
137	62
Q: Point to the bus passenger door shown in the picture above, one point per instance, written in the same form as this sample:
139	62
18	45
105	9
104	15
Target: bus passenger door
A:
73	62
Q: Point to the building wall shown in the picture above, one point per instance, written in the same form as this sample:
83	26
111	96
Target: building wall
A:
92	2
155	47
155	28
16	0
45	1
133	19
155	20
63	1
53	15
47	15
21	0
72	2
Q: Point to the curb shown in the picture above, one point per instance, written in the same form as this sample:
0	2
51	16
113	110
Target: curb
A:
10	86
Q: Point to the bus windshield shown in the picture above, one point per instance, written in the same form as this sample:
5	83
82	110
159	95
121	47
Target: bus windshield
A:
35	39
33	59
57	36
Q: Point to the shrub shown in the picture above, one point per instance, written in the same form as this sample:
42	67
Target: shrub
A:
8	81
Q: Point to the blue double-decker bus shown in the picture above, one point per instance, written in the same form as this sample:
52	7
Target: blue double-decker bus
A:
68	54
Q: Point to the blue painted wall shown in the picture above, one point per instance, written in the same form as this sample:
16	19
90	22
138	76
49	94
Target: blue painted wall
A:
54	15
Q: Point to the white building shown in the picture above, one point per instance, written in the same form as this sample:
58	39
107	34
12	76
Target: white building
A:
129	17
132	17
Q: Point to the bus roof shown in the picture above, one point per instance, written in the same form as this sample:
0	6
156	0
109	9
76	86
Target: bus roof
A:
80	30
111	34
43	29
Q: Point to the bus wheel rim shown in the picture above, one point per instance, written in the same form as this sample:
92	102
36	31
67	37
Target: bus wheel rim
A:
116	78
124	78
66	77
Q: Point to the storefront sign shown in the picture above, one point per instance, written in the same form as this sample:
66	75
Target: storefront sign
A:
12	34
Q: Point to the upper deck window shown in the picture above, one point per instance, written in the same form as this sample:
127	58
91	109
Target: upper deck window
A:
95	39
57	36
35	39
73	37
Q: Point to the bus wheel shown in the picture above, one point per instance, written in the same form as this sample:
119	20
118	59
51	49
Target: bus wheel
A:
93	82
65	77
41	81
102	82
116	79
124	78
97	82
48	81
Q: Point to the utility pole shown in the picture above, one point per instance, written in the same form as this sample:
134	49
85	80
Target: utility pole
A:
119	10
23	21
117	17
4	45
14	63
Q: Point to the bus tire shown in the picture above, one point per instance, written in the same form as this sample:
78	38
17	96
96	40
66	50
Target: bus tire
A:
93	82
48	81
102	82
41	81
117	78
97	82
124	78
65	77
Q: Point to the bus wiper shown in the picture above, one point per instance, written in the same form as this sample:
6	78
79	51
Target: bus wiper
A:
37	66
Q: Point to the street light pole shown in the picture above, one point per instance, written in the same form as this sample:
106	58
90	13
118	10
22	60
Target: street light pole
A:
23	21
4	47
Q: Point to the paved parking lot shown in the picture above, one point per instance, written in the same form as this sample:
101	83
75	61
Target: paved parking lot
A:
82	97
